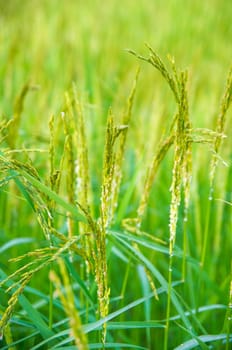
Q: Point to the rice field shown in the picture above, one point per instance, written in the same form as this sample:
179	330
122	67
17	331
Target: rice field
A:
115	175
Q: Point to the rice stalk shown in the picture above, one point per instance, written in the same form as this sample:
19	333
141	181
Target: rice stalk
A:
68	301
156	62
43	259
68	151
52	177
17	114
122	144
82	181
220	129
9	337
82	162
162	150
55	174
54	184
182	167
177	83
104	221
25	150
54	181
151	282
51	204
181	175
11	304
4	127
107	205
108	172
28	191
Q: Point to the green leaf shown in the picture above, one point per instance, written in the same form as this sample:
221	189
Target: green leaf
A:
126	198
21	340
151	245
147	304
141	240
81	283
15	242
23	190
133	325
115	345
142	259
199	310
32	313
106	346
42	188
191	344
35	317
52	195
98	324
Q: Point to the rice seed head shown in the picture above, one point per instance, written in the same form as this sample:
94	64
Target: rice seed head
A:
82	162
69	152
68	302
108	171
17	114
157	62
11	304
41	259
182	153
220	128
151	173
122	131
182	167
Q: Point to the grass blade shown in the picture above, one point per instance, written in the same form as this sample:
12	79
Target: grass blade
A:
191	344
32	313
15	242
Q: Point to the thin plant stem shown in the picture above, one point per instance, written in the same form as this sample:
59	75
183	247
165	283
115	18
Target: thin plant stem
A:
50	323
205	245
206	231
185	247
168	310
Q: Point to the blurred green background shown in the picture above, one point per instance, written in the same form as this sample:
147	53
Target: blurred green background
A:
55	42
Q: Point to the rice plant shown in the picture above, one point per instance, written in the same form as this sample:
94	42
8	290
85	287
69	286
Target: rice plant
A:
115	180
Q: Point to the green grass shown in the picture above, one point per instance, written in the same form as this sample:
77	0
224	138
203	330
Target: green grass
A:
115	182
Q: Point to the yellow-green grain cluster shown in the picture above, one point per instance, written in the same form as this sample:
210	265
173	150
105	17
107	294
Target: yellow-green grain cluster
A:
65	293
179	136
221	120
